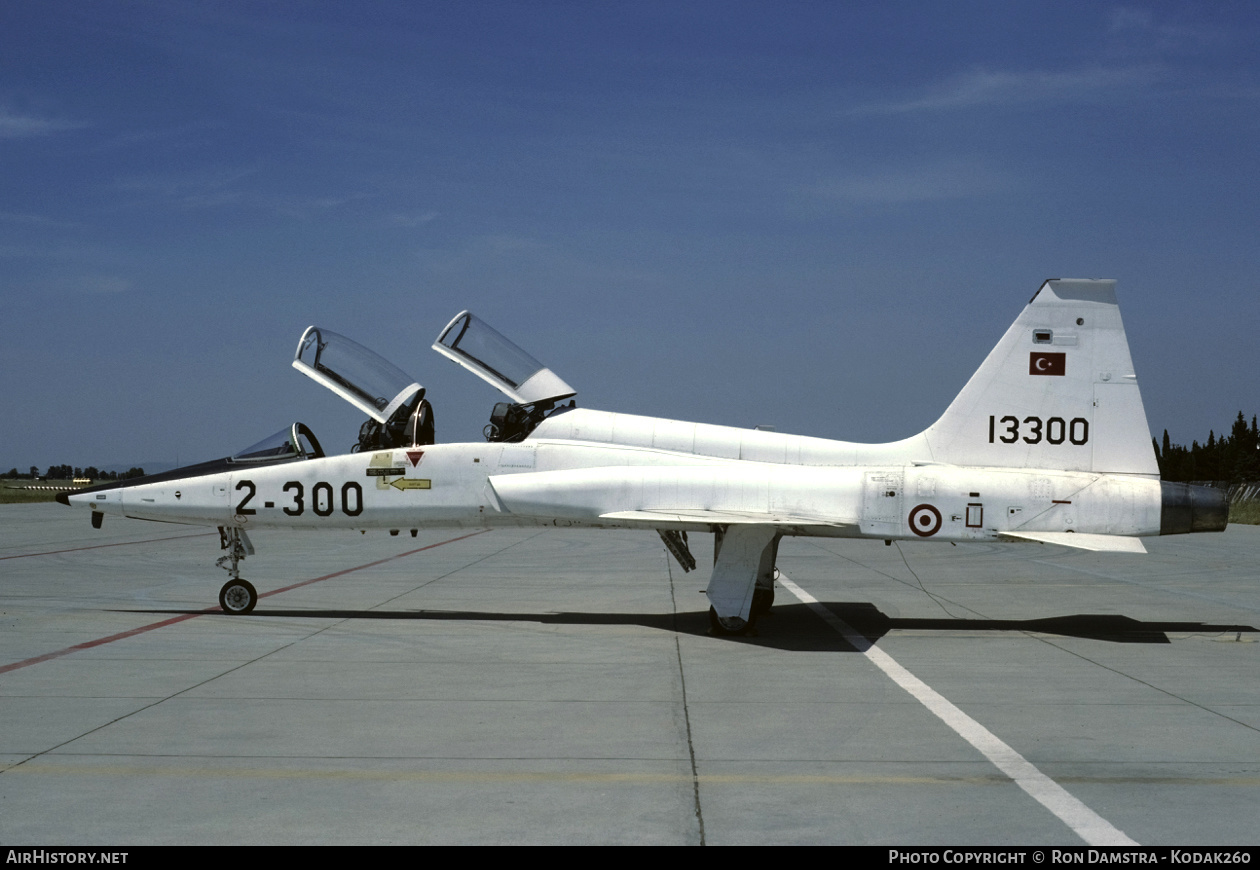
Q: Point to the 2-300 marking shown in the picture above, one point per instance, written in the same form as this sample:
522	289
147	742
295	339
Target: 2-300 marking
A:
1054	430
322	500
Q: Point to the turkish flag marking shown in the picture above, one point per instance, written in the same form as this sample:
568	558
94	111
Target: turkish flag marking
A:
1047	363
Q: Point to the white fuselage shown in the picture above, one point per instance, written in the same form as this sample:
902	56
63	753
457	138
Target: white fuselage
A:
600	470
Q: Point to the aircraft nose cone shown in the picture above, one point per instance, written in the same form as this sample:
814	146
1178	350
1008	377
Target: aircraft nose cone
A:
74	498
77	499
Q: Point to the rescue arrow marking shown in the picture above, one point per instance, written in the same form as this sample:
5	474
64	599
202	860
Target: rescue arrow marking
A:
411	483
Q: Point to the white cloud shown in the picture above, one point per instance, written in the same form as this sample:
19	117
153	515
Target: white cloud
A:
1140	30
1004	88
97	285
191	188
904	184
37	220
411	219
228	188
25	126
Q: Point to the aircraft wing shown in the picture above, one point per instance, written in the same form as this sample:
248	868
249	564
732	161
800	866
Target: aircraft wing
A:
658	497
1094	543
657	518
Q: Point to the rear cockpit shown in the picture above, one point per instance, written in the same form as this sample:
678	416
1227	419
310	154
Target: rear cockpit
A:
534	389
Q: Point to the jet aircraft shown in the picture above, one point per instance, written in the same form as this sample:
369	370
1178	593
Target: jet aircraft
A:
1048	442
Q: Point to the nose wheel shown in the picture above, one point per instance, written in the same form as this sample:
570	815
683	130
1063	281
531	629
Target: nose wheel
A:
238	596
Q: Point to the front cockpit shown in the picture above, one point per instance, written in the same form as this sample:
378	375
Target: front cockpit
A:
292	442
398	413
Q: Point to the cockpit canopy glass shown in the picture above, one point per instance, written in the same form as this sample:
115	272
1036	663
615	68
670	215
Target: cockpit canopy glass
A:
481	349
291	442
371	383
473	338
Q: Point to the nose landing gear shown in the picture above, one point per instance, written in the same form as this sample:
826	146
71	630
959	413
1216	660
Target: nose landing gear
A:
237	595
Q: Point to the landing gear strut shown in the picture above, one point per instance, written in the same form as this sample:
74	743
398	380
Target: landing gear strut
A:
741	588
237	595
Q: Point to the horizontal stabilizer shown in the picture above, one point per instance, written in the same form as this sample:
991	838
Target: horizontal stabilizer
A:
1094	543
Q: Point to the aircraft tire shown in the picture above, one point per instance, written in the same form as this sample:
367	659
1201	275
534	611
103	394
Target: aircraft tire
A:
736	627
763	600
237	596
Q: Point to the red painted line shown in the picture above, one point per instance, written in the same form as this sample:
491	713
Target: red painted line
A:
100	546
4	669
99	642
372	564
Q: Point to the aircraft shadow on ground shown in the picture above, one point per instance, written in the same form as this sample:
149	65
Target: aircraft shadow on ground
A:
794	627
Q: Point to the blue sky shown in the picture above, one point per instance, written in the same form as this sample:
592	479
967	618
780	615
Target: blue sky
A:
819	216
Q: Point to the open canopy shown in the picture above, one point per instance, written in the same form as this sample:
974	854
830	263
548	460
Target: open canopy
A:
478	347
371	383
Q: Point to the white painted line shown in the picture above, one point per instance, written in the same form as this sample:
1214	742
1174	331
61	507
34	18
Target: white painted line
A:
1088	825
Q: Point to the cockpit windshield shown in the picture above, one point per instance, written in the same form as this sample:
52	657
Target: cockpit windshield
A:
372	384
292	442
480	348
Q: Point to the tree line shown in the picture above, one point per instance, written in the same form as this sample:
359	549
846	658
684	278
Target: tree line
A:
66	472
1232	458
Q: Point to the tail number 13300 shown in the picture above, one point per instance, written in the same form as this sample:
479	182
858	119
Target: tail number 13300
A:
1055	430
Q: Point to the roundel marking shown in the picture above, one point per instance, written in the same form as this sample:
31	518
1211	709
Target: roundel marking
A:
925	521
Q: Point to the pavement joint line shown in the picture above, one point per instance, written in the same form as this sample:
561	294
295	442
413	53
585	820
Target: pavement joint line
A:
65	764
682	683
1051	642
102	546
123	635
463	567
935	597
149	706
1087	824
1058	646
1211	599
1141	682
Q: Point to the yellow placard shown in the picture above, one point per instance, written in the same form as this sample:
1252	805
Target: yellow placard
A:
411	483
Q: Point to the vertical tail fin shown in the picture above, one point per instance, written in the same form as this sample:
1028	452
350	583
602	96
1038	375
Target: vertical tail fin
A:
1058	392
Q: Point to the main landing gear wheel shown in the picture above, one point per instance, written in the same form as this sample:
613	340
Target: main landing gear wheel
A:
733	627
238	596
763	600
